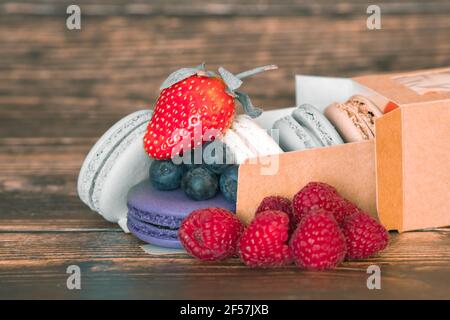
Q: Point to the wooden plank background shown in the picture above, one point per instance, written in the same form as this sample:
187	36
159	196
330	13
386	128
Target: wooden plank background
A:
60	90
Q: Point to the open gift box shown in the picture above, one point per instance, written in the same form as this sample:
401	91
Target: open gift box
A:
403	177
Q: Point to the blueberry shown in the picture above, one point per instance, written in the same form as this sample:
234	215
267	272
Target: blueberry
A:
165	175
216	168
199	184
215	157
228	183
190	159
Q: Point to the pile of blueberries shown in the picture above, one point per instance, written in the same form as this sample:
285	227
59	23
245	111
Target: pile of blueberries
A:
198	181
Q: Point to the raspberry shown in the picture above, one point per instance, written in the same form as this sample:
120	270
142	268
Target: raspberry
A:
211	234
342	208
364	236
318	242
321	195
322	186
281	204
264	242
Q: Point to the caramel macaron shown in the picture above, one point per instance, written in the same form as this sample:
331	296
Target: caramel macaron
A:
355	118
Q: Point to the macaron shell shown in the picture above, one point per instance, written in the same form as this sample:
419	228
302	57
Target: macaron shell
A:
368	103
127	166
313	120
355	118
367	111
237	147
102	149
343	123
256	138
154	235
292	136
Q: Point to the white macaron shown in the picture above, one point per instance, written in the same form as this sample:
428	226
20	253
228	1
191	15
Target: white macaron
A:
113	166
246	139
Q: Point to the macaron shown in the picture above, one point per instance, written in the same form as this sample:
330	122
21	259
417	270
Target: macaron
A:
155	216
254	137
355	118
245	139
306	128
115	163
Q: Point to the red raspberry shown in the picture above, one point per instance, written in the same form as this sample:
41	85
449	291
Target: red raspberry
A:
264	242
364	236
342	208
321	195
281	204
318	242
211	234
322	186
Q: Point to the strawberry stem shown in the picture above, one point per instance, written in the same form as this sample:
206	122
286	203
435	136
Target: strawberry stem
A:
254	71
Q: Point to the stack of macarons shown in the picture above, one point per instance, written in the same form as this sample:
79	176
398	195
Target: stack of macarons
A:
154	216
306	127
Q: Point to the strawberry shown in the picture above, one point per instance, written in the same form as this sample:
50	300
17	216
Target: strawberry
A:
195	106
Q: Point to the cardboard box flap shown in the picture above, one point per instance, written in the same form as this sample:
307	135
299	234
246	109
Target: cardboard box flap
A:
348	167
410	87
413	166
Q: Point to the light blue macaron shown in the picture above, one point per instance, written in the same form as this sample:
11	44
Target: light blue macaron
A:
306	128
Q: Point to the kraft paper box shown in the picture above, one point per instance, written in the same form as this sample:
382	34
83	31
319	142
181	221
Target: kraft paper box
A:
412	149
402	177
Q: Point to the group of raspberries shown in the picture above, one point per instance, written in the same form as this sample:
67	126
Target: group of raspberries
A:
317	230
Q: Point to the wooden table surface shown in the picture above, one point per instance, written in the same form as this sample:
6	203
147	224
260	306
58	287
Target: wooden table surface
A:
60	90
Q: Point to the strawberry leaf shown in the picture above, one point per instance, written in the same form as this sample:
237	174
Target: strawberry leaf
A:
230	92
247	104
230	79
180	75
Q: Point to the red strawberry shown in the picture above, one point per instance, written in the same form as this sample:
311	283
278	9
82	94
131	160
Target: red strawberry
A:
364	236
264	242
211	234
194	106
321	195
318	242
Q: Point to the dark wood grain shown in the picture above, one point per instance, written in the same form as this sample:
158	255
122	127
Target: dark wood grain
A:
222	8
60	90
113	266
85	80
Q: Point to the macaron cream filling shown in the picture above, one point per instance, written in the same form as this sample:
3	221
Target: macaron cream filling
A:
139	228
164	221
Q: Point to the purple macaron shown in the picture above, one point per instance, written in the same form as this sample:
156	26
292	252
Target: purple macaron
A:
154	216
